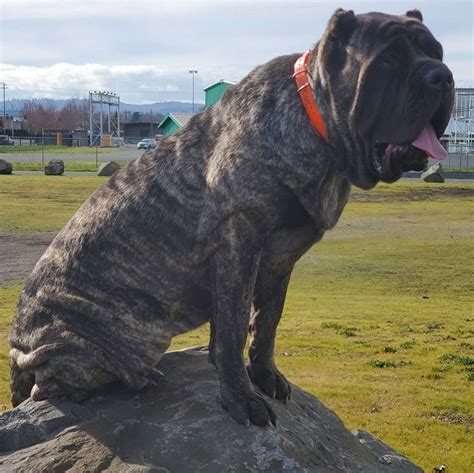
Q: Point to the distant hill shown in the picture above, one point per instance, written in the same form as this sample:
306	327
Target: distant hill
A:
162	108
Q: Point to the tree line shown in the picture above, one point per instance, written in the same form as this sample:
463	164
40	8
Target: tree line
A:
73	115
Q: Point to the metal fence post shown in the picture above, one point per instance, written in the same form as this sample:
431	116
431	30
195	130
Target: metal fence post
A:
42	148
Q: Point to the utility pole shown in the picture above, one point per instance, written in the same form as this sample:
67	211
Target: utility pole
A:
151	122
4	87
192	72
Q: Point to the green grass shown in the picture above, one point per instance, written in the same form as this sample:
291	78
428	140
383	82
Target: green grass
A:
8	298
42	203
378	321
69	166
52	149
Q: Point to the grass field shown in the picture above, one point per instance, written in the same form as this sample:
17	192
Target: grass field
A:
69	166
378	322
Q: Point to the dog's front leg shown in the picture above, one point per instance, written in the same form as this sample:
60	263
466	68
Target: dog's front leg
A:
270	296
234	269
282	251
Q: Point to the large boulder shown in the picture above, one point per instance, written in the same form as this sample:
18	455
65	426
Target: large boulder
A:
55	167
107	169
433	174
179	426
5	167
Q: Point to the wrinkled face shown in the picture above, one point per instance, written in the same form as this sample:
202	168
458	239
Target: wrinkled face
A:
397	92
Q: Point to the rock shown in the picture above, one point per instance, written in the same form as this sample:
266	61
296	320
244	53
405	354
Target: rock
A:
5	167
179	426
383	452
107	169
433	174
55	167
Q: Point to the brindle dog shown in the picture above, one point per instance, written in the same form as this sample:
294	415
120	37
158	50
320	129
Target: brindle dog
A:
210	225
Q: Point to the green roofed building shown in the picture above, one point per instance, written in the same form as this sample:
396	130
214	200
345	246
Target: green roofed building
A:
215	91
173	122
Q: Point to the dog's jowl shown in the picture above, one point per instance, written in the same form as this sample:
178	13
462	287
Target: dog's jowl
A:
209	226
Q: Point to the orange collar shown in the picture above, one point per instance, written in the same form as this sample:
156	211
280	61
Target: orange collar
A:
306	93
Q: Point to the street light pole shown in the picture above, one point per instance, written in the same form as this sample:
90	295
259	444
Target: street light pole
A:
4	86
192	72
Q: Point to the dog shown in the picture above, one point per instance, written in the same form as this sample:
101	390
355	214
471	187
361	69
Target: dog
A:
209	226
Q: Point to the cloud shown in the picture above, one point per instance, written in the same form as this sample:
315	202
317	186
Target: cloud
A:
135	83
143	50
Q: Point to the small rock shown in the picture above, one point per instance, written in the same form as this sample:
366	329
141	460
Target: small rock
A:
433	174
54	168
107	169
5	167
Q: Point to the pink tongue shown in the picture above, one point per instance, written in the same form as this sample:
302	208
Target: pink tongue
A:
427	141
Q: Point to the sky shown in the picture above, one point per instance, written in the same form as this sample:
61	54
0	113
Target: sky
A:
143	50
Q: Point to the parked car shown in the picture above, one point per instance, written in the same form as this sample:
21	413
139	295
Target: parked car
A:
147	143
6	140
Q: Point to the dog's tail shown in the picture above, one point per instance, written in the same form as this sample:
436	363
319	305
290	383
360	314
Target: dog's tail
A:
21	381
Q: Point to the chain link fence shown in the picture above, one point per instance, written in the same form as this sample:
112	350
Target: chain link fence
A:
66	140
32	153
460	161
41	149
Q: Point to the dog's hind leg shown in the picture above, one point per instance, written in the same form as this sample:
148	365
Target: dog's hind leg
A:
71	376
56	371
21	383
54	388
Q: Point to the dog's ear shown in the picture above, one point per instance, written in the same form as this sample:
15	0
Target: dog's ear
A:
342	24
415	14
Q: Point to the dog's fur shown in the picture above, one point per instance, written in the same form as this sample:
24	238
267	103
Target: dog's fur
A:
210	225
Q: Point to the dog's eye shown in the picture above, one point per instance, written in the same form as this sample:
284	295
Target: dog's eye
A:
389	59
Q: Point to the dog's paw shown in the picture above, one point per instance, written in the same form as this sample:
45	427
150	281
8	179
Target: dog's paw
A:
270	381
250	408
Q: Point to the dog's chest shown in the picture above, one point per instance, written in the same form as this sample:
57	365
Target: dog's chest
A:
325	200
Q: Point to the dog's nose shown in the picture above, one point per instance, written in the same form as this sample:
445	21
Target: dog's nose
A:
439	76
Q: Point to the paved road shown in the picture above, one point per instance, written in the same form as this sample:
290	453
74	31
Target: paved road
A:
114	154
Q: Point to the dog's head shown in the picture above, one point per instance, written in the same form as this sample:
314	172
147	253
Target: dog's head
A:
390	94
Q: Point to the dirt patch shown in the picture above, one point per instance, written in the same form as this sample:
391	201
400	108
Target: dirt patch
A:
454	416
19	253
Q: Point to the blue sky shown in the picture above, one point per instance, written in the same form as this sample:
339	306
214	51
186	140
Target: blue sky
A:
143	50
